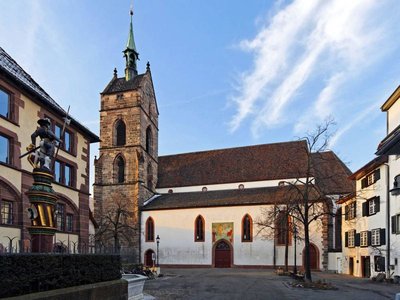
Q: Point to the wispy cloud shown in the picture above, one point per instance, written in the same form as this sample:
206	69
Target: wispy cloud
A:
306	45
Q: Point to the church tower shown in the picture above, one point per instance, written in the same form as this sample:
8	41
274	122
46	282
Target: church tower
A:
126	170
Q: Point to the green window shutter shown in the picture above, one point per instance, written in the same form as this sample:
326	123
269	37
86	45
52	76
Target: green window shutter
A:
365	209
377	204
377	175
383	236
394	224
346	239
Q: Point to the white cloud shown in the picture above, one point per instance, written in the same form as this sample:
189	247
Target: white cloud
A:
307	45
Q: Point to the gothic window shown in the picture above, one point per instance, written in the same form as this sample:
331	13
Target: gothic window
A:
283	229
199	229
149	140
247	225
149	177
150	230
120	133
119	169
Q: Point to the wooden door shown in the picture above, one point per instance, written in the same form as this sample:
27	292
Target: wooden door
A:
223	255
351	265
148	258
366	266
313	257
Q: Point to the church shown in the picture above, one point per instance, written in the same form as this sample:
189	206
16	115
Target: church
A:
204	209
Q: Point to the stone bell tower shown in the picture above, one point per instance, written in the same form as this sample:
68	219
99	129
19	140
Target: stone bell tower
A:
126	169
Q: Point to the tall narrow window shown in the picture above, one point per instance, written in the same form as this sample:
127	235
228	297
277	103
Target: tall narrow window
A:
149	177
5	150
6	212
57	171
149	140
199	229
60	217
69	223
120	169
247	225
149	230
283	234
4	104
120	133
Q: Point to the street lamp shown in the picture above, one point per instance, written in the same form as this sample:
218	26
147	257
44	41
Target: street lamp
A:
158	245
295	242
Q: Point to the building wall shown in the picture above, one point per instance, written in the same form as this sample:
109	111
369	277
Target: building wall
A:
177	246
393	116
17	175
366	223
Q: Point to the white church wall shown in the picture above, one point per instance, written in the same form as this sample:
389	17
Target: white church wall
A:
175	228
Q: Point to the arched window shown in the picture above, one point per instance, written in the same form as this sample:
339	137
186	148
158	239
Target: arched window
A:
149	140
283	229
120	133
199	229
120	169
150	230
149	177
247	229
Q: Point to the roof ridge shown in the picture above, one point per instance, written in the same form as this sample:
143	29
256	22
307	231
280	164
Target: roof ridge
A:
232	148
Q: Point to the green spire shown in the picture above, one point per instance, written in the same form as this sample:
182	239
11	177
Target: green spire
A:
131	41
130	54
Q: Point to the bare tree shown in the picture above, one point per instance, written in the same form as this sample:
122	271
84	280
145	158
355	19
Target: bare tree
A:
116	226
306	198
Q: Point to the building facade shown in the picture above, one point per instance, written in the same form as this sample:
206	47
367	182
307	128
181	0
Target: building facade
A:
22	103
364	221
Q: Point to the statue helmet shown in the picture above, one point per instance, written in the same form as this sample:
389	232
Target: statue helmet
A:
44	122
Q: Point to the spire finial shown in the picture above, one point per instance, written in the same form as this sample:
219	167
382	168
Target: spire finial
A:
115	73
148	66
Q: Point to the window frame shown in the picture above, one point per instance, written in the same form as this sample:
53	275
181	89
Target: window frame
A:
9	114
150	232
9	141
376	237
352	210
9	214
120	133
63	180
247	229
199	228
372	207
54	125
60	216
351	238
364	239
69	222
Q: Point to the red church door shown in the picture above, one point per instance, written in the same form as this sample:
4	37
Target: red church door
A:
223	255
313	257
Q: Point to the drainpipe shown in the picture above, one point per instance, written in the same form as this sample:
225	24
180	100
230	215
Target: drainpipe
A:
387	221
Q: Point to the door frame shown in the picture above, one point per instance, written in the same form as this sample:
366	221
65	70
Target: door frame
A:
214	249
146	253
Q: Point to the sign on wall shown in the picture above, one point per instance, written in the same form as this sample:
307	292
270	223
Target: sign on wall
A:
222	231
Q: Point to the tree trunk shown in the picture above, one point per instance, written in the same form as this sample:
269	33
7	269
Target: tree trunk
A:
287	244
307	246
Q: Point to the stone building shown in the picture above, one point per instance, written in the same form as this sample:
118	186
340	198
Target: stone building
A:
128	155
22	103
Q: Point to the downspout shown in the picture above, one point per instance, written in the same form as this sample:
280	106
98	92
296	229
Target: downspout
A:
387	221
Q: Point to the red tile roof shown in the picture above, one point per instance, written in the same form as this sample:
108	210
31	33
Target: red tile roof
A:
243	164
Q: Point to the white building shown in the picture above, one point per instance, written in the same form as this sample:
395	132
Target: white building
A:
208	204
364	221
391	146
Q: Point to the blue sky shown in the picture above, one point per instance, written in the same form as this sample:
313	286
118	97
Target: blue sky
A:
226	73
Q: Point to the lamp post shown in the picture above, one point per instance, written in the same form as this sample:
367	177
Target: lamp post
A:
158	245
295	243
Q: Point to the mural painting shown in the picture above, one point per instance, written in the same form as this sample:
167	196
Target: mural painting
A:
222	231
